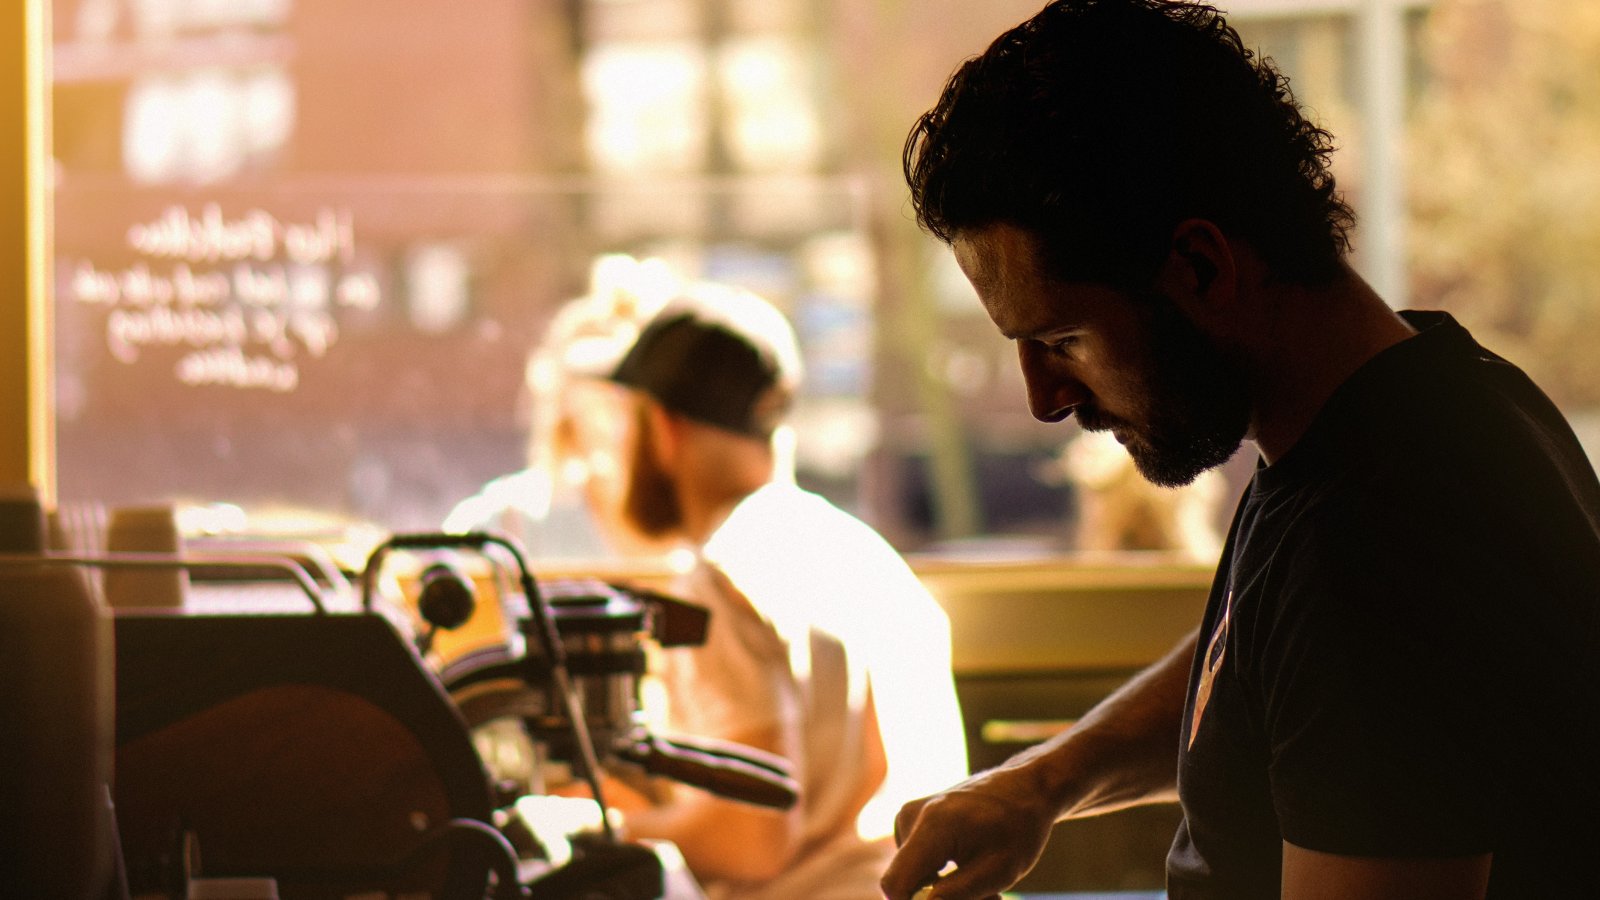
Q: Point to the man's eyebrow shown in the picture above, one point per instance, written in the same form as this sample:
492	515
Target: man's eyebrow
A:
1033	324
1033	333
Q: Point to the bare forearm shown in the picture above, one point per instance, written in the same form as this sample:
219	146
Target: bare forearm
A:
1124	751
720	838
994	825
1313	875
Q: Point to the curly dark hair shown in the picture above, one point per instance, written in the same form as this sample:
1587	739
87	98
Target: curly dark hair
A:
1098	125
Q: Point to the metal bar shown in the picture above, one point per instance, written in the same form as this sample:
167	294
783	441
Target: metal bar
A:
170	561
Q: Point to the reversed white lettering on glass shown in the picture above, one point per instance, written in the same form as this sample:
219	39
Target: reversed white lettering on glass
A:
245	296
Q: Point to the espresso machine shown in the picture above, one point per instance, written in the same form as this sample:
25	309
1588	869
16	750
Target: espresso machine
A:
561	694
309	737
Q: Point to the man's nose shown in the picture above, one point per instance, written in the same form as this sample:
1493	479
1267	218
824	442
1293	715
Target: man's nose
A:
1052	394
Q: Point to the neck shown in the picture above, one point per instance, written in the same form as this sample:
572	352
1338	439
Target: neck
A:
1313	339
721	471
703	515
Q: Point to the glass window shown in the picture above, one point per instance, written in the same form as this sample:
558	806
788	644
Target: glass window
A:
304	250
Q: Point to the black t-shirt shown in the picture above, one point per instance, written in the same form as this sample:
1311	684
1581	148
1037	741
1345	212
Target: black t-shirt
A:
1399	656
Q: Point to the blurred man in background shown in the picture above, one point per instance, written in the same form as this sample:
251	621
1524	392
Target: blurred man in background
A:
823	646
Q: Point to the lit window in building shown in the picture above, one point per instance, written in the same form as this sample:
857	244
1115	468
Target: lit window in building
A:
647	107
773	124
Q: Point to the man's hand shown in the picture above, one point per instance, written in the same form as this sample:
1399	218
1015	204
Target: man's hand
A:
992	826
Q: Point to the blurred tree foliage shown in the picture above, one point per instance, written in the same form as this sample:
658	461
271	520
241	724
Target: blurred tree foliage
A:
1505	183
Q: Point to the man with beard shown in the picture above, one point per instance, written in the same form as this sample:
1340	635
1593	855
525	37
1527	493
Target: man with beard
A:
823	646
1393	690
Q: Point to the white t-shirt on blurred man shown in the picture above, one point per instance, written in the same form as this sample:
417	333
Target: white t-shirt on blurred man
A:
833	614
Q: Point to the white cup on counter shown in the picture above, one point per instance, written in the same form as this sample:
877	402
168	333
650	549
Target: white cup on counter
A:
151	529
22	520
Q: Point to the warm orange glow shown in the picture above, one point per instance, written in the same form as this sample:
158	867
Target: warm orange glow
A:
26	447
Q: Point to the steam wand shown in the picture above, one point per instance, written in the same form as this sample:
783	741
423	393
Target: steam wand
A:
544	619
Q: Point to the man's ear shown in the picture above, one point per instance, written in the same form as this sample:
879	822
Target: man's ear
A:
1199	268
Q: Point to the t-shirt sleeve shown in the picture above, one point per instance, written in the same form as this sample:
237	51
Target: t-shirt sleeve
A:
1379	738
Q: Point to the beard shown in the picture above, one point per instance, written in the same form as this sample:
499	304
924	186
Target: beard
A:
1196	408
651	503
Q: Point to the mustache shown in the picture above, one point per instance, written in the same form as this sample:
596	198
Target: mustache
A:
1091	418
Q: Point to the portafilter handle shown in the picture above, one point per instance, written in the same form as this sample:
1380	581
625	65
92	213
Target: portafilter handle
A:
732	771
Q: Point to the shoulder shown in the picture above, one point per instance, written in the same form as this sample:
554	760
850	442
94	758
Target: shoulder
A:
783	540
1440	429
1446	389
783	519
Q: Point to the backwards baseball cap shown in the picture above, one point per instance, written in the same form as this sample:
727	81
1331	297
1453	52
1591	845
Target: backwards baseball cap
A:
715	354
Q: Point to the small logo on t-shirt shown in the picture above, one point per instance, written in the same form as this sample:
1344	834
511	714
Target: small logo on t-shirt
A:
1216	651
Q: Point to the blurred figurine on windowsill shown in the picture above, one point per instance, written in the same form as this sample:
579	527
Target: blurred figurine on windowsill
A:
1119	509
